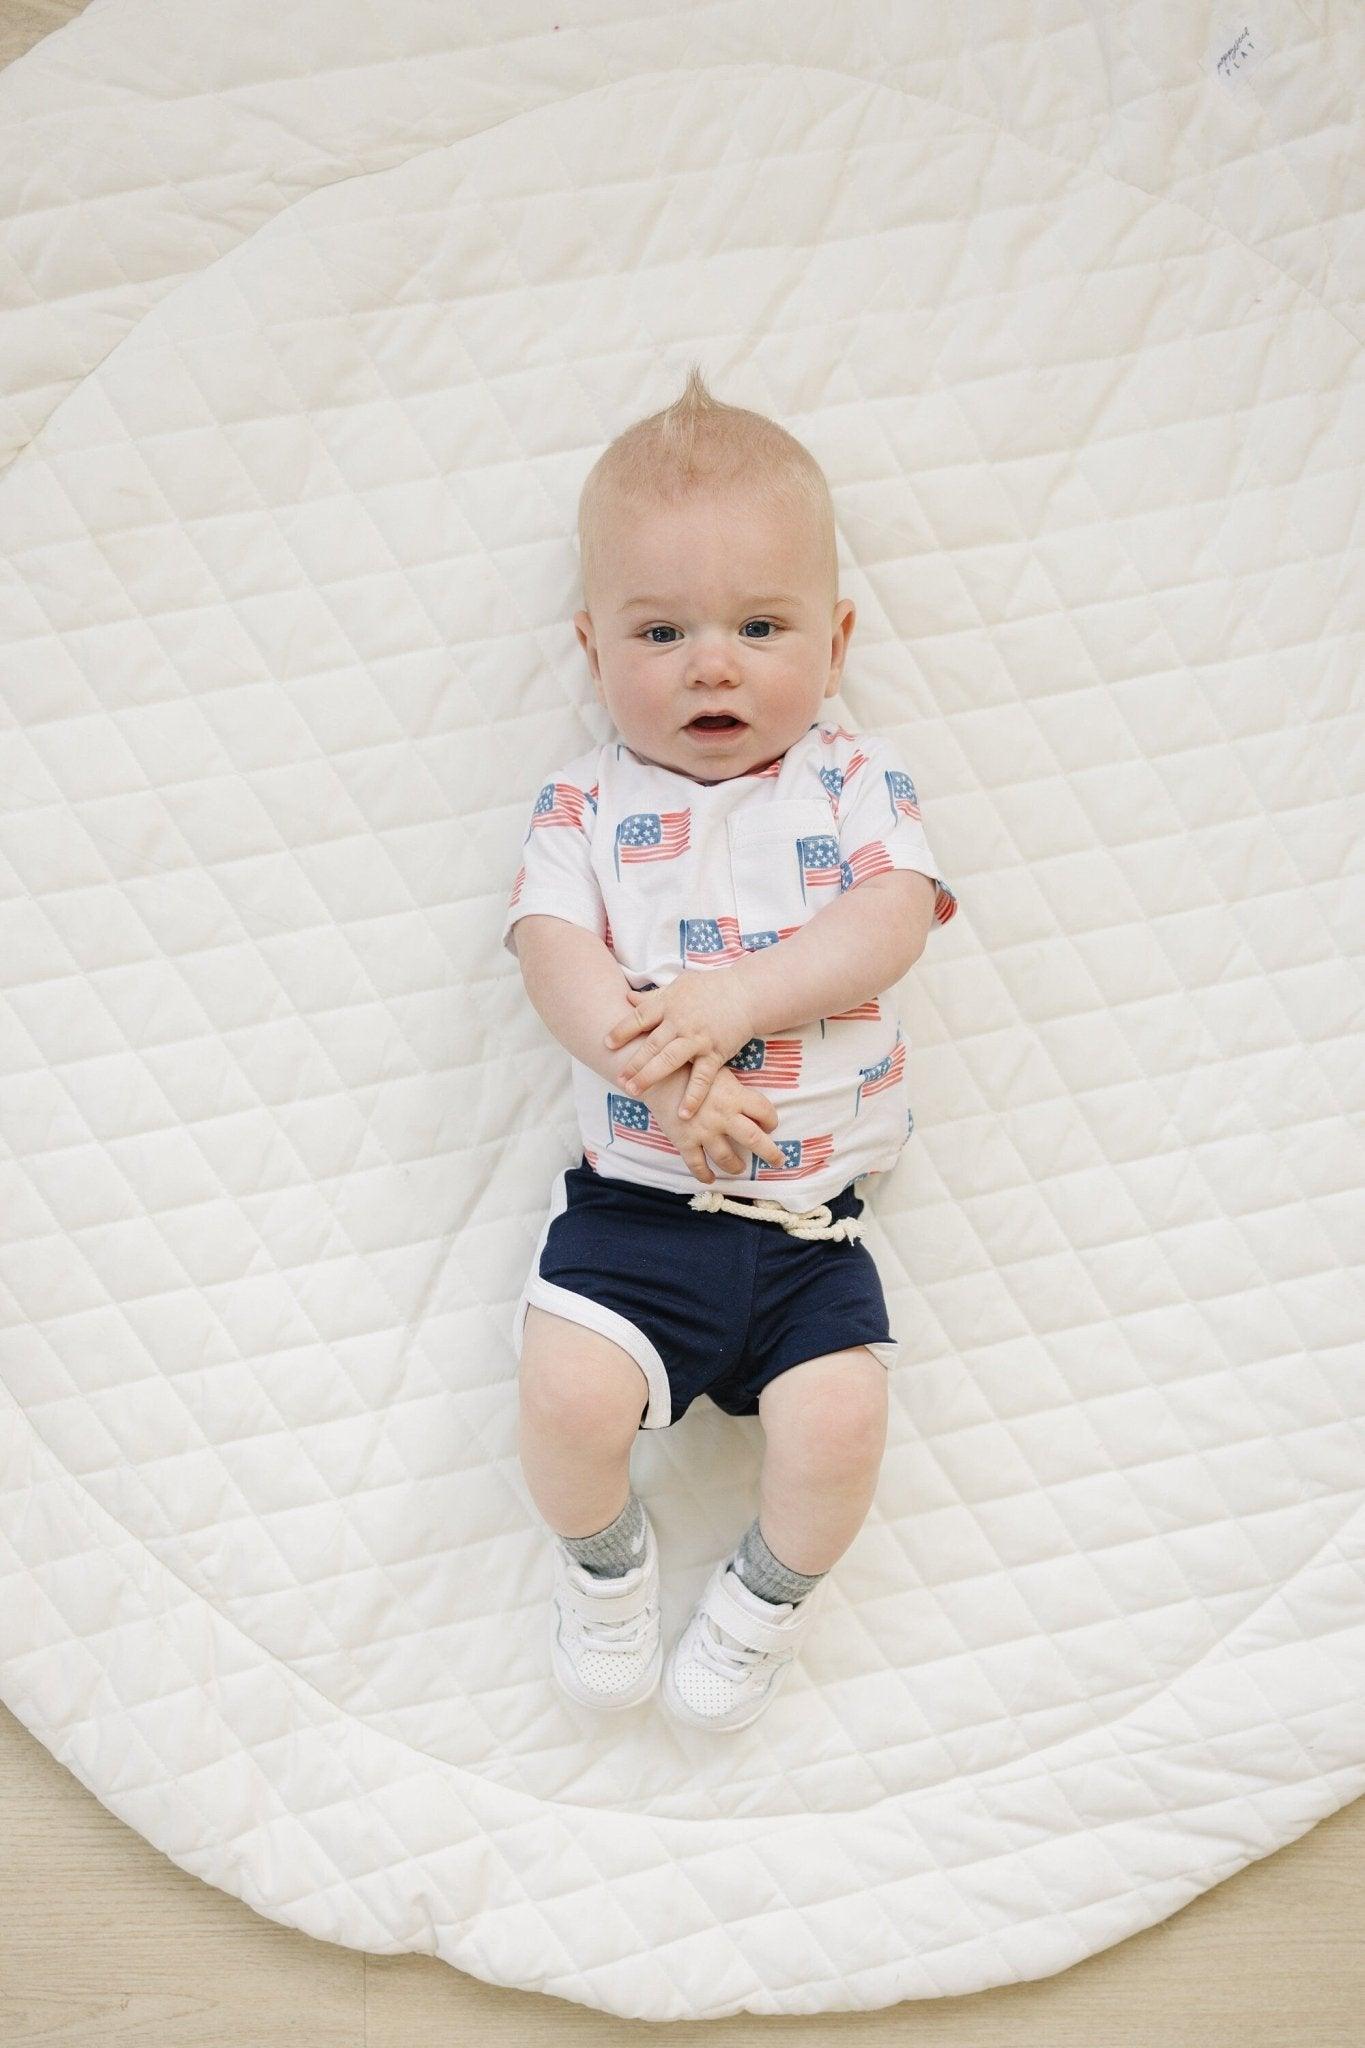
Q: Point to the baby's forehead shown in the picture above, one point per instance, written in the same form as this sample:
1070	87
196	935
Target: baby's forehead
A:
788	589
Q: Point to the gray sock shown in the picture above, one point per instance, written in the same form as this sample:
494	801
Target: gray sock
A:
615	1550
765	1575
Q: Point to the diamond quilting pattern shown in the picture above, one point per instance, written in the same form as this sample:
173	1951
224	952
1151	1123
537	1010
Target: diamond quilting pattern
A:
297	410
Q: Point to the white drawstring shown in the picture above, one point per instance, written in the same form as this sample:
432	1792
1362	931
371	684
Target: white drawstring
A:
817	1222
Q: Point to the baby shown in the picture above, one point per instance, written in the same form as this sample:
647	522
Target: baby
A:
708	912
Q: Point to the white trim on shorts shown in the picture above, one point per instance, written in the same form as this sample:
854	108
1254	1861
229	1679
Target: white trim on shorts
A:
594	1315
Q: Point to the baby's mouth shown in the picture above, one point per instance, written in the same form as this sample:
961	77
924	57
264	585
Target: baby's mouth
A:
716	722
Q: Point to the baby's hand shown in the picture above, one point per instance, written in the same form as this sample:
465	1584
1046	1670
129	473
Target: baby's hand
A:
733	1114
702	1016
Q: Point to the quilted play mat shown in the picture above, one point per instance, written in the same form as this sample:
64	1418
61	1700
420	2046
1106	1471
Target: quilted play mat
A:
314	319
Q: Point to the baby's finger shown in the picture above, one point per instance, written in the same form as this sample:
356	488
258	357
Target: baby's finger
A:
764	1146
727	1159
694	1158
704	1071
624	1028
636	1062
641	1056
665	1062
645	1011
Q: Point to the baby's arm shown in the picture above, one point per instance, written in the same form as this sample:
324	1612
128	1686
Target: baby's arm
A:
576	988
862	942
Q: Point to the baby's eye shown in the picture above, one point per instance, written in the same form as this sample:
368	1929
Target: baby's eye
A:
761	622
660	629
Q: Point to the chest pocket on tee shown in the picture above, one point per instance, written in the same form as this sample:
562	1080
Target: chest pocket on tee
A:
785	862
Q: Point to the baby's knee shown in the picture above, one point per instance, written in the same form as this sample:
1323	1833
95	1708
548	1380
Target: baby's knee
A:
581	1387
837	1424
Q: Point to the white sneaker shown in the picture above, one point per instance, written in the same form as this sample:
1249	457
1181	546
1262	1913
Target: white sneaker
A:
605	1634
734	1653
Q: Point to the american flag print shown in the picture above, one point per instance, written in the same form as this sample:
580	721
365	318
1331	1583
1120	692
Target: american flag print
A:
800	1156
559	803
856	760
901	791
754	942
876	856
652	835
775	1062
885	1074
818	859
872	859
709	938
866	1013
632	1122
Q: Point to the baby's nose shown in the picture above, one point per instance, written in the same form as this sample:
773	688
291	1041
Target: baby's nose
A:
713	664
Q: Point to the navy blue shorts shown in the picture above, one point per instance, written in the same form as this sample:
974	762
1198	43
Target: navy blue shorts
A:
705	1302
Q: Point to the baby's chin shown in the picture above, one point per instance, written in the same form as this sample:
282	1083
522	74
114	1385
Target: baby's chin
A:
747	756
719	771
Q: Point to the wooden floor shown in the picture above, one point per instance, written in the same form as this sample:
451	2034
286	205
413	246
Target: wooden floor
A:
105	1942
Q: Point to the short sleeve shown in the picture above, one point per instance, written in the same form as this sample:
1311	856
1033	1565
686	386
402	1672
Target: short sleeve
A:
880	828
556	877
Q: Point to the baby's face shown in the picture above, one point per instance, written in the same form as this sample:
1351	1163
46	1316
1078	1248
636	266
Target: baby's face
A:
714	605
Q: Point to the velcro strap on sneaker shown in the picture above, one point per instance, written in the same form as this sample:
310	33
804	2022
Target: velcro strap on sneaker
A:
750	1629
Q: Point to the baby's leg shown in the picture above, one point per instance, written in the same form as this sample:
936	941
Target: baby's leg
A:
582	1399
824	1425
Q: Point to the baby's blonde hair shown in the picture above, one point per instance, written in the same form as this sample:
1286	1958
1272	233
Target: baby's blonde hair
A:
699	443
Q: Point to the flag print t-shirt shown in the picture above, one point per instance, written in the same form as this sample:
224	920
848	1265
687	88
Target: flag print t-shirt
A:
675	874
